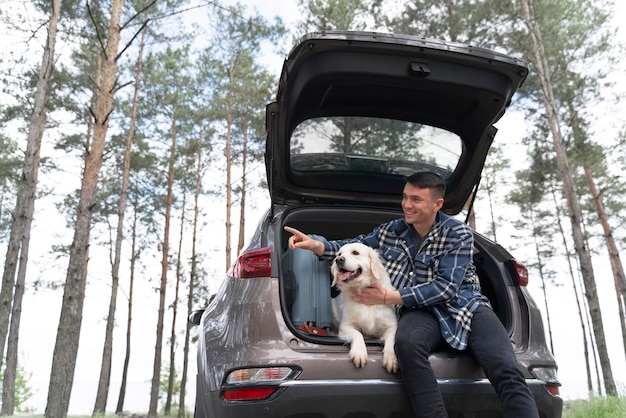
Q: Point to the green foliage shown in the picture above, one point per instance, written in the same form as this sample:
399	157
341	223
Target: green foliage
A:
164	383
333	15
610	407
23	391
466	21
9	171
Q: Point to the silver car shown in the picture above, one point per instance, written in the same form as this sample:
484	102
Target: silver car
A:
355	114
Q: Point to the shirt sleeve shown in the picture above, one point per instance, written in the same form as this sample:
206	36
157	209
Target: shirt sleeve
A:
332	247
445	270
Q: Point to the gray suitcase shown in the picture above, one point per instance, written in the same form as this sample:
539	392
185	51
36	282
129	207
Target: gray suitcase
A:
308	282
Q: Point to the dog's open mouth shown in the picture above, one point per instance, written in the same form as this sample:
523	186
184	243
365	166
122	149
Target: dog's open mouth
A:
346	276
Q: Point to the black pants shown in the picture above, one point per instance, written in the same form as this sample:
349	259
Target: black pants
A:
419	334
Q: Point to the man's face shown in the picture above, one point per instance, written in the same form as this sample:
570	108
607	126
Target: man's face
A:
420	207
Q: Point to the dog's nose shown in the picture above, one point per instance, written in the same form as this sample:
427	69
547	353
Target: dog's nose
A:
340	260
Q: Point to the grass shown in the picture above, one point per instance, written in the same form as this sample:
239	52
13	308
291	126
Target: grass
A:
610	407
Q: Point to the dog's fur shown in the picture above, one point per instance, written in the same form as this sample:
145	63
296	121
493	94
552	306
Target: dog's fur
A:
355	267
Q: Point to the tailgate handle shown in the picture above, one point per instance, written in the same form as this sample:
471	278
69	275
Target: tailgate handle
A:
419	68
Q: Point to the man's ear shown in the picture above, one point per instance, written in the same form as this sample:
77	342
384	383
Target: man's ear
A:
438	203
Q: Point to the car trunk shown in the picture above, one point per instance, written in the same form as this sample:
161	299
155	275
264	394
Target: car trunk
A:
340	222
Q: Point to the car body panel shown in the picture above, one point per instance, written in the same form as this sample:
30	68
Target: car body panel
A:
374	398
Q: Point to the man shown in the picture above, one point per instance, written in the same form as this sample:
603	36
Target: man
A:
428	256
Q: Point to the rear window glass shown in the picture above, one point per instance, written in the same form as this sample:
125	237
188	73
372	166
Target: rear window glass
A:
366	144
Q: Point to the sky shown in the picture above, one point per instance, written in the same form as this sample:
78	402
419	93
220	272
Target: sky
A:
41	310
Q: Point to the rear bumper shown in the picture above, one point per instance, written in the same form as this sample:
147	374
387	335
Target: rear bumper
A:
368	399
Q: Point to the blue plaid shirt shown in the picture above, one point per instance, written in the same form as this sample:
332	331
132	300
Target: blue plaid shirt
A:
439	275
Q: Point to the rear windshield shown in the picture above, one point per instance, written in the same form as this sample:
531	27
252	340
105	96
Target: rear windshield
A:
375	145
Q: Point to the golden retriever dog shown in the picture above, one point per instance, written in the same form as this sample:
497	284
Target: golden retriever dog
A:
355	267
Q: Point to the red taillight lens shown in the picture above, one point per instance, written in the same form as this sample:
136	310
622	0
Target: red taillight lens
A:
552	390
252	264
521	272
248	394
256	383
549	377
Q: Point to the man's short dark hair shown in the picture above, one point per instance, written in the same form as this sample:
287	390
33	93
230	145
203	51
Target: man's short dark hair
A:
428	180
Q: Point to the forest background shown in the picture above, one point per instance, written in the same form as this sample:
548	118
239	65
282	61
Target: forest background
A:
206	70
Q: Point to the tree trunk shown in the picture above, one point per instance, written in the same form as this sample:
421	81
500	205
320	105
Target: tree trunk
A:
120	400
580	306
156	371
242	206
107	352
172	374
492	215
68	333
10	371
596	356
586	155
229	160
17	248
471	215
609	240
614	258
192	280
540	266
575	212
105	369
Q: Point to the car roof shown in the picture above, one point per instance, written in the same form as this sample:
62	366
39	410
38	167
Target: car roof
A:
453	87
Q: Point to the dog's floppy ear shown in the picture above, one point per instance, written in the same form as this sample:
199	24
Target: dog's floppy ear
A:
376	266
333	272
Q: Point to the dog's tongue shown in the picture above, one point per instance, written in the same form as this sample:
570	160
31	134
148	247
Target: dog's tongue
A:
345	275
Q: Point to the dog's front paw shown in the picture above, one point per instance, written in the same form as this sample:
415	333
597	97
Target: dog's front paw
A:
390	361
358	355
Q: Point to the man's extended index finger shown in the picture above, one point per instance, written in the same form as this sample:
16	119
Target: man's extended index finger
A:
292	230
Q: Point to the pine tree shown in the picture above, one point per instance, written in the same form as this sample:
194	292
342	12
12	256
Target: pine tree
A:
239	37
540	62
107	354
168	83
68	333
19	240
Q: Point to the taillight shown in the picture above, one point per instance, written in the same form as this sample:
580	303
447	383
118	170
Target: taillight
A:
258	374
256	383
521	273
252	264
549	377
248	394
552	389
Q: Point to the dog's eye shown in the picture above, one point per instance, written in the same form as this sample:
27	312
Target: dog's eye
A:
355	252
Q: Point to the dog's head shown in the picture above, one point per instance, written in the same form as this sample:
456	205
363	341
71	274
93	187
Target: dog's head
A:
357	265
